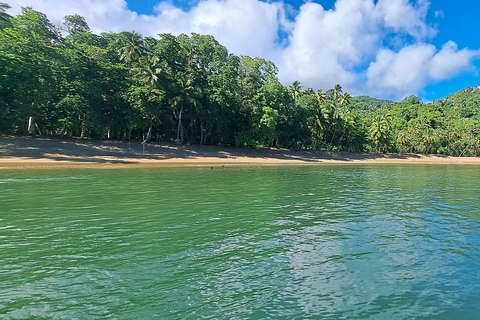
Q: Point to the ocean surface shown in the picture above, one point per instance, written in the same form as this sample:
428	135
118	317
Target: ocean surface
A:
287	242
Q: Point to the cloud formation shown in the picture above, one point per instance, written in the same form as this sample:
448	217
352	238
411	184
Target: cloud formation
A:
379	48
405	72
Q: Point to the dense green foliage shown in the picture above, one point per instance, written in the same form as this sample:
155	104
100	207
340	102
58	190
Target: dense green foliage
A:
190	89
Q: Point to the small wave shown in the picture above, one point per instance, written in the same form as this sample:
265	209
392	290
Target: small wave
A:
26	180
449	206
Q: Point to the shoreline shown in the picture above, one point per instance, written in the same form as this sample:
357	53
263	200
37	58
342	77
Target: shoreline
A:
55	153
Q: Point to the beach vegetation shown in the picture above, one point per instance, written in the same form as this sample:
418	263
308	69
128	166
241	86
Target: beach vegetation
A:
190	89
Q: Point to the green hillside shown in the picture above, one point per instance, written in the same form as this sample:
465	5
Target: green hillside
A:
447	126
190	89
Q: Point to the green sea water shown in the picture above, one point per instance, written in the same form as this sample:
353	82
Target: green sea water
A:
288	242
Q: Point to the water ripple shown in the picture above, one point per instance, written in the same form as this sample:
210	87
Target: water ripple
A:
272	243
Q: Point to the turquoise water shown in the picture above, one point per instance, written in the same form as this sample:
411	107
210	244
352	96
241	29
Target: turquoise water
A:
314	242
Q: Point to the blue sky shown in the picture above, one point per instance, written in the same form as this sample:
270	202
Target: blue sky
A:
146	6
382	48
460	24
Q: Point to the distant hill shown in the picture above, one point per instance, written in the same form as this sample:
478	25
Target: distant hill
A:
368	106
371	101
464	98
467	99
465	103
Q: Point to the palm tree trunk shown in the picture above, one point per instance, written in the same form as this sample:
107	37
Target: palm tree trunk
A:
340	140
149	135
180	127
333	137
202	133
468	145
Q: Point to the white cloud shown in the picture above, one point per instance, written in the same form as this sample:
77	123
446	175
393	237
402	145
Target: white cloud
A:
449	61
402	16
400	73
369	47
331	46
407	71
244	26
326	45
104	15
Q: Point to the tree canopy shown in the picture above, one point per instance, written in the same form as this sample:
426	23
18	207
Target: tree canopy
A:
190	89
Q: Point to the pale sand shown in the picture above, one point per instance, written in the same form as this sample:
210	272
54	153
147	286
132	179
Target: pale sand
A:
43	152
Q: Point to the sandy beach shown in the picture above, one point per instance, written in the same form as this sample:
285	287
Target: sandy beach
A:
53	152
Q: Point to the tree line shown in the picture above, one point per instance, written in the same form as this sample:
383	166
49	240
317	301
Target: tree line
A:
190	89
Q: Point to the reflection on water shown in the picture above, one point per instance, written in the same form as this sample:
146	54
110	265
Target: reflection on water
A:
241	243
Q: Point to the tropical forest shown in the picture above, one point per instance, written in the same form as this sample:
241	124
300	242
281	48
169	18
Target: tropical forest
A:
188	89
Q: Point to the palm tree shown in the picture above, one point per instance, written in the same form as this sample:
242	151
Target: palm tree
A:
324	115
184	93
380	131
131	46
337	92
295	89
349	122
451	134
330	122
405	142
429	139
321	96
345	99
151	71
